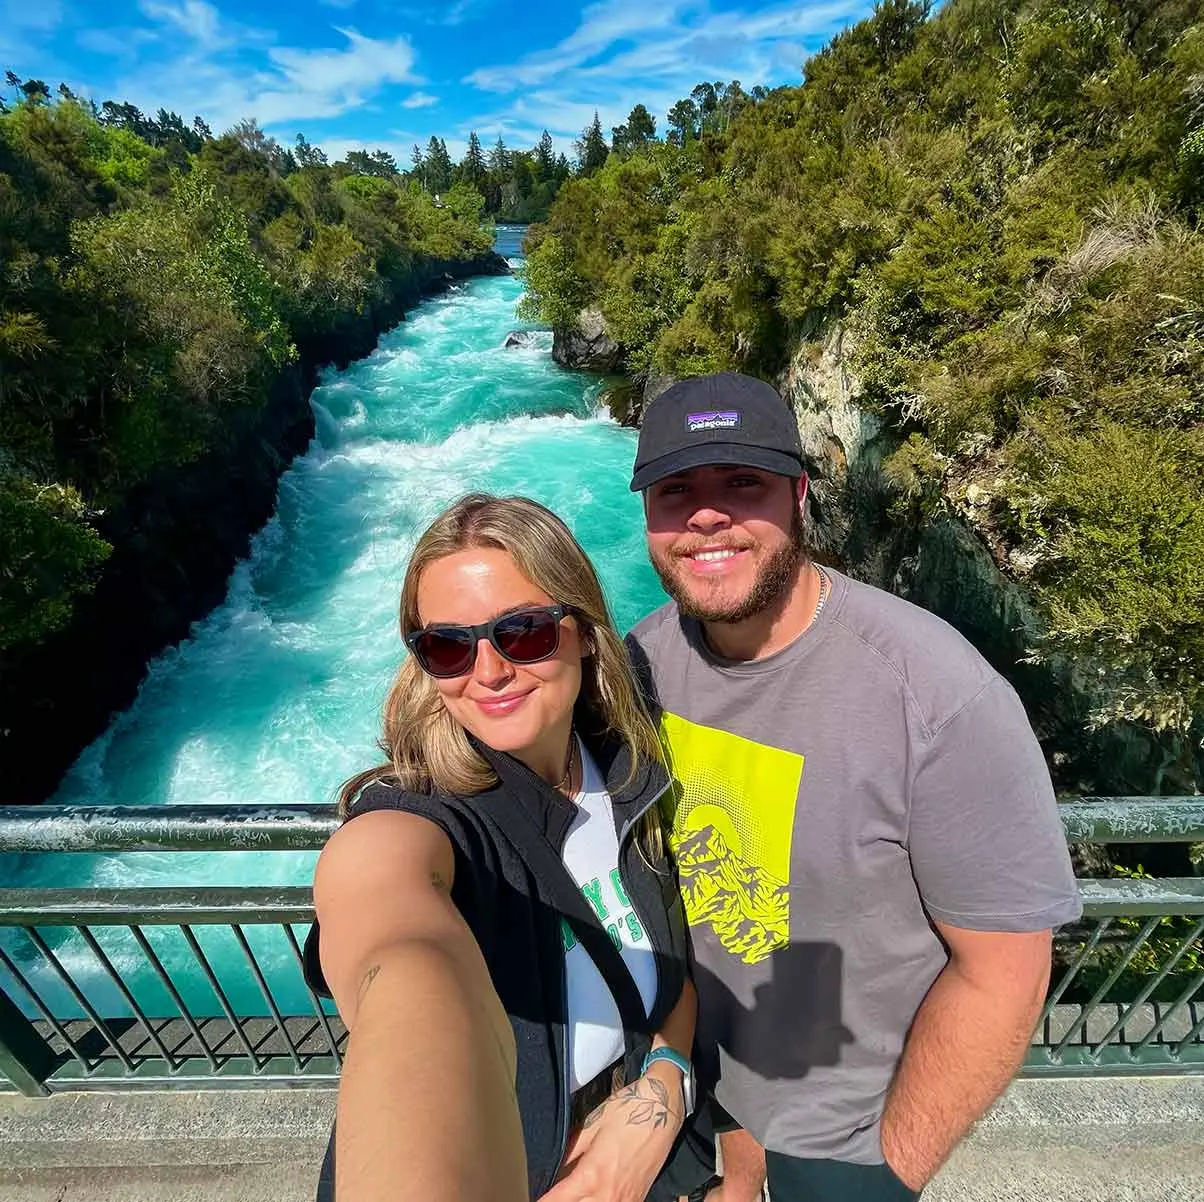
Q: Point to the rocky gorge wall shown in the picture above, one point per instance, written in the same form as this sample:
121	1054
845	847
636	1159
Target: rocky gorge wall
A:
175	542
950	566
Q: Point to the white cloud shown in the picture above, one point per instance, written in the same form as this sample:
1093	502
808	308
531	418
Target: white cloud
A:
419	100
195	18
671	36
364	63
114	43
602	25
624	51
459	12
210	74
462	10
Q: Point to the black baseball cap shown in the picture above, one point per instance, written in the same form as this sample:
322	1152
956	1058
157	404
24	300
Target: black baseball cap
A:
722	419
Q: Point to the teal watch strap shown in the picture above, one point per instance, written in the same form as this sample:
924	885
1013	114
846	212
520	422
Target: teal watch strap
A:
674	1058
687	1074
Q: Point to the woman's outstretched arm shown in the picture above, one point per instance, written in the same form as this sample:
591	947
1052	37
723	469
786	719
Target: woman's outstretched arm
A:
426	1109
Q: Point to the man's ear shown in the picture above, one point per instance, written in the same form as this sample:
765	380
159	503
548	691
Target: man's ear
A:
803	483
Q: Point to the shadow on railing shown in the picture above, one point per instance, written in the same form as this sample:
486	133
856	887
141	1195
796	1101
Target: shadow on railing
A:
174	988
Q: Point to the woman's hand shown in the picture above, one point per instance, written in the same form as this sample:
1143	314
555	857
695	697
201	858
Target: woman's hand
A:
622	1146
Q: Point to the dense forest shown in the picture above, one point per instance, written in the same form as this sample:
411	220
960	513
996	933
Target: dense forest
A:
154	280
521	186
999	206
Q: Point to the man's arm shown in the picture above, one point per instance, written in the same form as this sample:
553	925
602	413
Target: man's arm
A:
989	858
966	1042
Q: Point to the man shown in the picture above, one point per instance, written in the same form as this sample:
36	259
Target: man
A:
867	839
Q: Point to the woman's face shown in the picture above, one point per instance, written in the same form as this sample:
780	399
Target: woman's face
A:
523	709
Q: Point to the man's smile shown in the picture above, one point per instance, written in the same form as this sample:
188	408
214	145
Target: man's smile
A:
713	561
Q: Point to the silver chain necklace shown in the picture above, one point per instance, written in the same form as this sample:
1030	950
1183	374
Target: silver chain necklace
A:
825	590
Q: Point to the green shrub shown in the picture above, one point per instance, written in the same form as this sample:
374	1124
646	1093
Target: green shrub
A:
49	556
1121	571
552	290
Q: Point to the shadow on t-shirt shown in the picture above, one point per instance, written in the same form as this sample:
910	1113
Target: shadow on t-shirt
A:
794	1023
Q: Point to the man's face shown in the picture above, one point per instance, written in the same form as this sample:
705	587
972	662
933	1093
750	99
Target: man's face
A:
726	541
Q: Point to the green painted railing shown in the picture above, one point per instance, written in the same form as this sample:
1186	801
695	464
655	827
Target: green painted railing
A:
174	988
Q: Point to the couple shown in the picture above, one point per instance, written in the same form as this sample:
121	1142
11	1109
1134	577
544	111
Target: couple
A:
829	960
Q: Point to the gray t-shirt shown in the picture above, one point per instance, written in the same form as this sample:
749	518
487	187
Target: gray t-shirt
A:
828	800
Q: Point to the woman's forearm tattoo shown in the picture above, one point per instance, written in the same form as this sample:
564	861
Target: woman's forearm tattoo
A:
644	1102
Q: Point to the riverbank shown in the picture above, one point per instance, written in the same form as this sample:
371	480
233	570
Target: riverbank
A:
175	541
947	559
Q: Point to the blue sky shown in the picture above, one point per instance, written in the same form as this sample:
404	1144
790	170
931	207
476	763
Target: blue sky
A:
389	73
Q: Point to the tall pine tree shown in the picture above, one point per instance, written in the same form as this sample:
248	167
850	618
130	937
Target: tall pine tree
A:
473	169
638	130
438	166
499	161
592	150
545	158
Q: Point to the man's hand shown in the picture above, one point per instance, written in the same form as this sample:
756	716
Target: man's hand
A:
743	1168
622	1145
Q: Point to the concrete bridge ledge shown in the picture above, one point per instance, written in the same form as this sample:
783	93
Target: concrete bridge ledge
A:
1099	1139
1096	1113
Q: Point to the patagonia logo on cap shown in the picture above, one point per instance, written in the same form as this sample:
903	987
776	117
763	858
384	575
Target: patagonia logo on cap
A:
712	419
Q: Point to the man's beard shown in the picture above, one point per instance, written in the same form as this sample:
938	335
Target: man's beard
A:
774	581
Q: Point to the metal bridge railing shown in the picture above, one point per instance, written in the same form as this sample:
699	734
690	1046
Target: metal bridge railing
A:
159	988
175	988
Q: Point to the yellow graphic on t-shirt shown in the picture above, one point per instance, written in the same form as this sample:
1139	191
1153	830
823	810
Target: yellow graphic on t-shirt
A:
731	824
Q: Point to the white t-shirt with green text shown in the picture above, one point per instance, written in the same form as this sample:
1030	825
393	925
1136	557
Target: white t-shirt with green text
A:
591	855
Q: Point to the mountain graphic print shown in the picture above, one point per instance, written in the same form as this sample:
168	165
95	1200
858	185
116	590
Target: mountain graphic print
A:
731	825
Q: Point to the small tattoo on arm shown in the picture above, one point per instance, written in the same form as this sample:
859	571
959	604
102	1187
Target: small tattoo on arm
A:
366	983
655	1109
438	880
661	1092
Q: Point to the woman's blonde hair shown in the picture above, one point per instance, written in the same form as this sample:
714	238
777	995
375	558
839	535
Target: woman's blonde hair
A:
425	746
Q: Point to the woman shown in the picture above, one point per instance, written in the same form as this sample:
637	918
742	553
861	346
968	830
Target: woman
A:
470	908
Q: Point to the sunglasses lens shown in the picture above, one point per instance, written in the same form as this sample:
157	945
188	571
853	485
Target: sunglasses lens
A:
527	637
444	652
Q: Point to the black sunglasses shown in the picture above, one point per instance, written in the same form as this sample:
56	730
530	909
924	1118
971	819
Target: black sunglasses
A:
523	636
